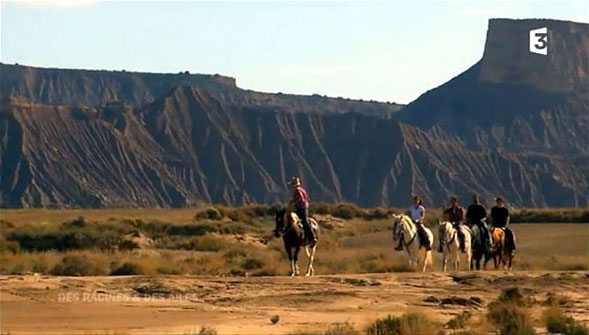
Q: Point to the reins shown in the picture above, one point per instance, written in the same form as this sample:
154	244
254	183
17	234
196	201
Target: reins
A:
446	243
403	237
291	226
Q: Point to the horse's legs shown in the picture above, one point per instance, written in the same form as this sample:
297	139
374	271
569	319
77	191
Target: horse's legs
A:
426	258
291	259
311	255
457	261
296	260
444	262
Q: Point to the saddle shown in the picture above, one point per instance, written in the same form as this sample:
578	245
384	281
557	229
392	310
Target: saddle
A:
423	238
295	220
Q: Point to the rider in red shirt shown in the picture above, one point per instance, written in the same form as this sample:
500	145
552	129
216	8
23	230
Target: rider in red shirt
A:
455	214
301	202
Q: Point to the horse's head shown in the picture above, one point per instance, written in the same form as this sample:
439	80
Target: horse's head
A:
280	222
397	226
443	228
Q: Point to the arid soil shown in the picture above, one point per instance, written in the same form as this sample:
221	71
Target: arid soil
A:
241	305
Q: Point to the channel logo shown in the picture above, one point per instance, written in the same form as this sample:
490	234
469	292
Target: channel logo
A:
539	41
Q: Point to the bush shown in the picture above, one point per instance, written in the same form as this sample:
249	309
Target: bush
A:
557	322
347	211
239	216
80	265
509	314
459	321
408	324
207	330
209	213
68	238
341	328
129	269
377	214
9	246
205	243
252	264
321	208
550	215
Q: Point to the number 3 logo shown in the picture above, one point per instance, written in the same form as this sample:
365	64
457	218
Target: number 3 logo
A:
539	41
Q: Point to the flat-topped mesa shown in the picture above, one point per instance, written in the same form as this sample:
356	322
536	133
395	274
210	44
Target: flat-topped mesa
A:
507	57
96	87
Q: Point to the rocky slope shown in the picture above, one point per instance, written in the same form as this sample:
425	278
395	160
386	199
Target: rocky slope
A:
513	124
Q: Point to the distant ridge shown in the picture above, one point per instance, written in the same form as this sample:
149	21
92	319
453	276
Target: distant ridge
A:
513	124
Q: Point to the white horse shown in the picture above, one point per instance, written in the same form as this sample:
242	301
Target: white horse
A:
405	230
448	236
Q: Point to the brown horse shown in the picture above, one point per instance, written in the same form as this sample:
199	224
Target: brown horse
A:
287	226
502	255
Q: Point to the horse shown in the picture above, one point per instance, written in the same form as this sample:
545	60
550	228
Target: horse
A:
405	230
502	255
479	248
450	245
287	226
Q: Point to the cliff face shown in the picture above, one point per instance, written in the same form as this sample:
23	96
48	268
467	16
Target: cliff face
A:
94	138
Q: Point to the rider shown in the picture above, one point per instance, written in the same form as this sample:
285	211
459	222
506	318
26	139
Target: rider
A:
455	214
417	215
476	214
301	202
500	219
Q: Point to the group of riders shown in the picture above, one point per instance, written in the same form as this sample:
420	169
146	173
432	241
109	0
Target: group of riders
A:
476	214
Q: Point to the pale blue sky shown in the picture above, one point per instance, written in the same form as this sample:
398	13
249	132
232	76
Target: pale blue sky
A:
387	51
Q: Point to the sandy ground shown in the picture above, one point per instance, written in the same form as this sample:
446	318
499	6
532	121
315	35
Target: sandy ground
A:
182	304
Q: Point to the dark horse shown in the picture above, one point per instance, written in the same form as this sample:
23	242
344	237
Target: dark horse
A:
480	248
287	226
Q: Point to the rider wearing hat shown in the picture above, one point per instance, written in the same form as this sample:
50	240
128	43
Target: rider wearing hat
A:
301	201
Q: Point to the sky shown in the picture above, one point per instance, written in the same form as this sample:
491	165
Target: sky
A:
385	51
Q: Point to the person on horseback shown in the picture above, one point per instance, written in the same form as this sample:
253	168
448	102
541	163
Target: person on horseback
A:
417	215
476	214
301	202
500	219
455	214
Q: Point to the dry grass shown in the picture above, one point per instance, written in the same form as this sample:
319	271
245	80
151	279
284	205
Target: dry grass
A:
186	242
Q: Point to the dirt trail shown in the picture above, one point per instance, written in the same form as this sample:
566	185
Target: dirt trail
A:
182	304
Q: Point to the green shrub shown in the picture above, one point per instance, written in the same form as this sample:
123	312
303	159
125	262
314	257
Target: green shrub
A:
408	324
557	322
